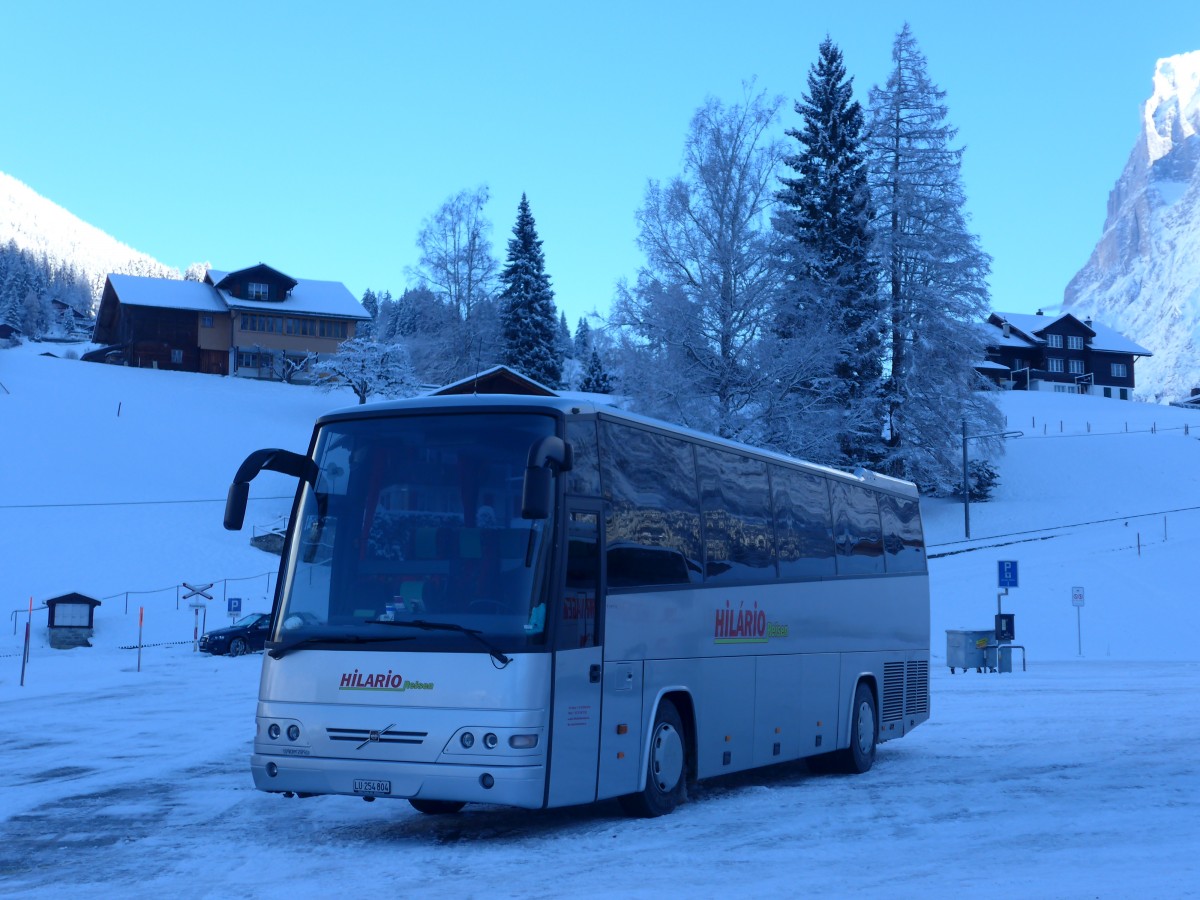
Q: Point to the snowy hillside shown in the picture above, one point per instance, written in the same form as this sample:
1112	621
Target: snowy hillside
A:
1143	278
127	774
115	479
42	227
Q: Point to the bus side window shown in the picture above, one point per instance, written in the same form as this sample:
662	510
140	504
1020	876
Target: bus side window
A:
577	619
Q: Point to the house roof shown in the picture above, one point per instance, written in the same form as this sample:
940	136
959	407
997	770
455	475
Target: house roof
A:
323	298
1105	340
168	293
496	380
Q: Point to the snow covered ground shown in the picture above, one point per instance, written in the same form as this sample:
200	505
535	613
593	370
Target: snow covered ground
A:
1076	778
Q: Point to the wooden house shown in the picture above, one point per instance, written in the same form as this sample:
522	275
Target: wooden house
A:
250	323
1036	352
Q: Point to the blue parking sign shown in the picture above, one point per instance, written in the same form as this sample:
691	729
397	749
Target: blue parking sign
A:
235	605
1007	573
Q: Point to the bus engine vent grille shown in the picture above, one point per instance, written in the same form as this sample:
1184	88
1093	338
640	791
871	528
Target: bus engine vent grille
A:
365	735
893	691
918	687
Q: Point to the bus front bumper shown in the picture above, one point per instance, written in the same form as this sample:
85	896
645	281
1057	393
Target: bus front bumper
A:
522	786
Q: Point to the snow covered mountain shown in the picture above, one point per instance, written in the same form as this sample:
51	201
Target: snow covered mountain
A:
1143	278
44	229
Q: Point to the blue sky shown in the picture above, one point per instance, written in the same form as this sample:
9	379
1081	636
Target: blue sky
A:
317	137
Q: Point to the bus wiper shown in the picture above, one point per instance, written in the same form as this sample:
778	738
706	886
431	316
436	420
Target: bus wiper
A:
448	626
280	652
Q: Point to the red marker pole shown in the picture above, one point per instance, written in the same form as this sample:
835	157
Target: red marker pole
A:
141	617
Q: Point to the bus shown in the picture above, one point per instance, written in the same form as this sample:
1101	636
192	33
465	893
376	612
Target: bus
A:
540	602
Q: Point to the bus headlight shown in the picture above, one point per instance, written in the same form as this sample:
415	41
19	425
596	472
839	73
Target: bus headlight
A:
490	741
273	731
293	732
467	740
523	741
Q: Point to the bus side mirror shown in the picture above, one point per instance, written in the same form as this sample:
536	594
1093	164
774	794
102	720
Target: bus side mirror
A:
546	457
276	461
235	505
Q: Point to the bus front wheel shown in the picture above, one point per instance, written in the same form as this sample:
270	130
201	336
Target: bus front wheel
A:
666	768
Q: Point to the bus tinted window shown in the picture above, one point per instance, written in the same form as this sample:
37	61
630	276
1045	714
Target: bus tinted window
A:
803	524
857	534
584	477
653	526
739	541
902	538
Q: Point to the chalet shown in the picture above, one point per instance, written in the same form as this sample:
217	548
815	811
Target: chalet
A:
249	323
1058	353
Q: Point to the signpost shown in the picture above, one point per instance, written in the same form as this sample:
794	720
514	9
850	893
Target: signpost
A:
1006	577
1077	602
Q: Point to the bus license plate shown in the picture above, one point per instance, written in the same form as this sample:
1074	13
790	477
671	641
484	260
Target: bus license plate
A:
364	786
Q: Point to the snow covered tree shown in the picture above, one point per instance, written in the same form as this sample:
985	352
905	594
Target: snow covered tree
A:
694	320
368	368
527	316
196	271
583	340
595	379
457	265
824	220
370	303
565	345
934	275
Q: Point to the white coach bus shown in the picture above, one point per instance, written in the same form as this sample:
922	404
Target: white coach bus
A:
540	602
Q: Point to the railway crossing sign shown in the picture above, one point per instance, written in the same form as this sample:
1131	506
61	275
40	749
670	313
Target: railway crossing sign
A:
197	590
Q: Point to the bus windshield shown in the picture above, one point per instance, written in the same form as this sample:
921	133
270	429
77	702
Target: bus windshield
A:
417	519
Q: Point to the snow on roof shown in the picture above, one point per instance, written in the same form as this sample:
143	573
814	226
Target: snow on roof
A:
168	293
1106	340
325	298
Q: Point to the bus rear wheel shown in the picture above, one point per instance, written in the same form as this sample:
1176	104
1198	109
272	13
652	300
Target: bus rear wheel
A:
666	768
436	807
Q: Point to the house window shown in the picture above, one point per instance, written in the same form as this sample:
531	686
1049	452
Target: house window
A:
177	357
206	321
1075	366
256	290
1108	392
1119	370
1055	341
1074	342
1054	364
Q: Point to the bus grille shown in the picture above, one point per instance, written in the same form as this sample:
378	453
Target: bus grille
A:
363	735
893	691
918	687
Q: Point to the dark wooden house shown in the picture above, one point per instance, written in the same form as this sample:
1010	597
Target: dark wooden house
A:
245	323
1059	353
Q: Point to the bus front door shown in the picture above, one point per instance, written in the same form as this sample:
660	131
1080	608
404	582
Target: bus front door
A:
578	664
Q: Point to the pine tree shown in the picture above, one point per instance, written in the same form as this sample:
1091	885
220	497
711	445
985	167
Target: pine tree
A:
934	273
595	379
825	224
583	340
528	322
370	303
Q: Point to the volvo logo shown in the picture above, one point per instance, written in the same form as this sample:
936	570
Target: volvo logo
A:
374	737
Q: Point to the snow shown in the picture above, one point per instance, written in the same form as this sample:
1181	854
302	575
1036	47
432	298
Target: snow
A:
1075	778
1172	114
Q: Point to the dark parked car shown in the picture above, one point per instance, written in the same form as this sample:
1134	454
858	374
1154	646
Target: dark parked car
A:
247	635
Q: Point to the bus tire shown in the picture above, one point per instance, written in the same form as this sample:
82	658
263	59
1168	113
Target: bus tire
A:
435	807
864	732
666	768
